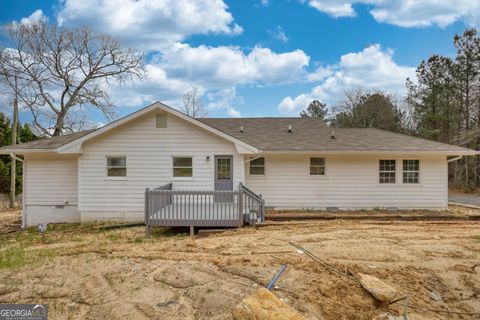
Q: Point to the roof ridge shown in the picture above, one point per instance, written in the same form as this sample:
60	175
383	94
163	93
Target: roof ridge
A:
241	118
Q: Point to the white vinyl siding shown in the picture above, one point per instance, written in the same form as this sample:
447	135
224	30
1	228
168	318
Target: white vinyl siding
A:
352	183
149	153
50	193
52	180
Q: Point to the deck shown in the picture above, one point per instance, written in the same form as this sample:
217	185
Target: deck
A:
187	208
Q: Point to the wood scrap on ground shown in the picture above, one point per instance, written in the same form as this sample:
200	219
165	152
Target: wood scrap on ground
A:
264	305
379	289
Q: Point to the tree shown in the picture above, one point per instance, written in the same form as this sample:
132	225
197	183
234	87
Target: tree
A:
62	71
24	135
446	104
432	98
192	104
369	110
315	109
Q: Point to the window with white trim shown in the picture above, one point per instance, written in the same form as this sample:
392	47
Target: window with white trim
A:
116	166
317	166
257	167
411	171
182	167
387	171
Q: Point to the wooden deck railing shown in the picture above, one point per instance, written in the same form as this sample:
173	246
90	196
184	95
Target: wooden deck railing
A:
253	204
167	207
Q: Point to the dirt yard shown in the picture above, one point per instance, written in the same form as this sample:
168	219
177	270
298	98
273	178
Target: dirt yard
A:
84	272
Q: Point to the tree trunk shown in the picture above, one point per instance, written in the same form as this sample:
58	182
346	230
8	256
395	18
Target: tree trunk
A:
59	124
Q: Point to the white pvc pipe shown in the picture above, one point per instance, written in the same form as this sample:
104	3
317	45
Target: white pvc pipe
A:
454	159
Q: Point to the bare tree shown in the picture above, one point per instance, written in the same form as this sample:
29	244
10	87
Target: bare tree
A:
62	71
192	104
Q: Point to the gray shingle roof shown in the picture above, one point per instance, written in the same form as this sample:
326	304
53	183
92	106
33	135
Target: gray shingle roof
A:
50	143
309	134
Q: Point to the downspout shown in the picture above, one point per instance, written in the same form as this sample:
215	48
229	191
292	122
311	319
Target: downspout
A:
456	158
258	155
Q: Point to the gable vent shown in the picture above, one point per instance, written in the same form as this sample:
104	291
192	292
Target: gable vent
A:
161	120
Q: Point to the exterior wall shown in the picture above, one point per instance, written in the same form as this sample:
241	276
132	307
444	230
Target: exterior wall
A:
149	151
50	191
351	182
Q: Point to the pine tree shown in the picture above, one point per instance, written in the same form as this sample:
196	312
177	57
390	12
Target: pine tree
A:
316	109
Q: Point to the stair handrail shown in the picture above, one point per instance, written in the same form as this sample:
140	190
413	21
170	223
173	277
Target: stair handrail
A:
252	194
256	197
167	186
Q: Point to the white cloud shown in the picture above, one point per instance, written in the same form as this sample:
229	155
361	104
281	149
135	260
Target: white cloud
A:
225	99
233	113
174	67
291	105
279	34
334	8
156	86
216	71
370	69
150	24
407	13
34	17
219	67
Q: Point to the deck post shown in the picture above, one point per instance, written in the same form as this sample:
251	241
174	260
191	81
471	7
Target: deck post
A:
240	208
147	215
192	231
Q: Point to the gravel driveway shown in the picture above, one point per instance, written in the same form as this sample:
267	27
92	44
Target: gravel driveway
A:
464	198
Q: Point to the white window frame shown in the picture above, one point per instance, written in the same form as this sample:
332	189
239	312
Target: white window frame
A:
114	167
310	166
387	171
181	167
411	171
257	166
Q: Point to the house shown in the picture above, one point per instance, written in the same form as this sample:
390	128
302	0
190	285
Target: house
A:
296	163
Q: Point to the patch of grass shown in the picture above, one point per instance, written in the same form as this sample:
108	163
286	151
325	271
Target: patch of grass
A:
167	232
77	239
18	255
137	240
477	237
113	236
210	290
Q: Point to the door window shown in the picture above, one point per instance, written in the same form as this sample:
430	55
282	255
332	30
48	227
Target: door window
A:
223	169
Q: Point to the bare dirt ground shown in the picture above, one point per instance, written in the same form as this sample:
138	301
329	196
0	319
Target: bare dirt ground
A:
10	221
84	272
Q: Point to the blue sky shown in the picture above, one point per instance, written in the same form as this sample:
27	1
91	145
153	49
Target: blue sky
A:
262	57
